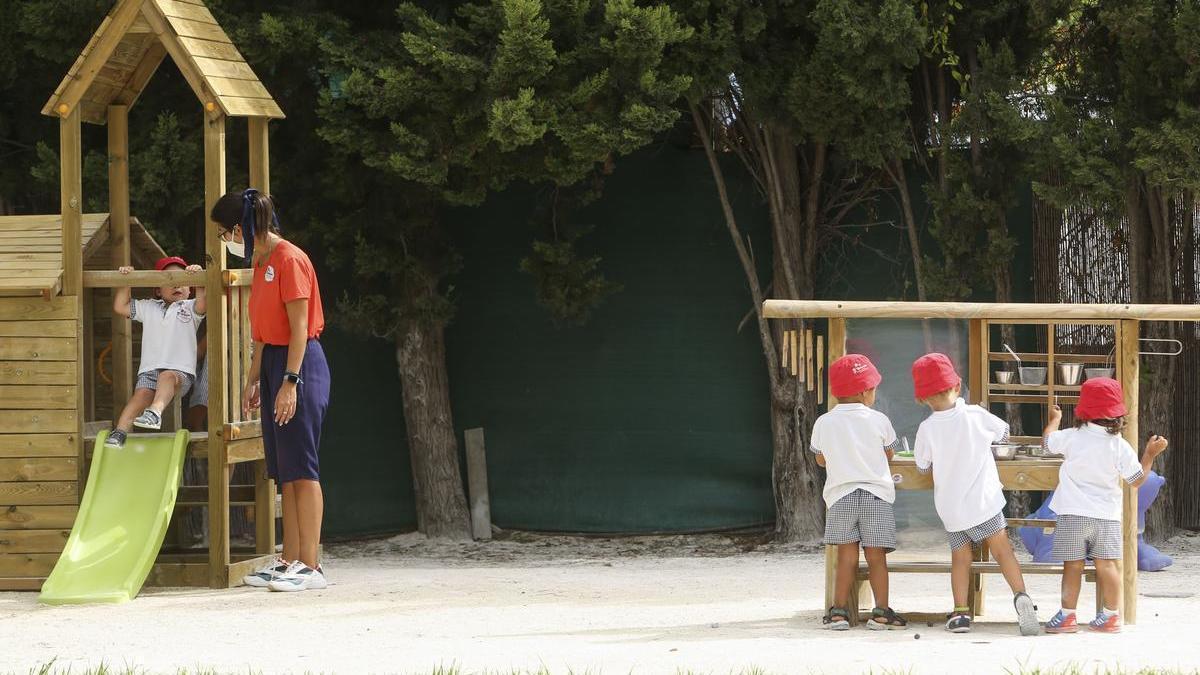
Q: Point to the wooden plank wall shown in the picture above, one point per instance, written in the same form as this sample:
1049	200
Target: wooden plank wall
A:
39	463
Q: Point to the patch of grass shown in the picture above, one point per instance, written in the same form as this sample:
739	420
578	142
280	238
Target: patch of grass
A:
1077	669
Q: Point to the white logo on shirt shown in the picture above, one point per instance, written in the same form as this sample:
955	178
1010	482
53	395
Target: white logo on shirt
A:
185	316
270	274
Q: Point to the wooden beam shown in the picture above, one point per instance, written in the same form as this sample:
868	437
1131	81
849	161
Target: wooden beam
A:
71	193
1129	374
37	373
218	412
143	278
37	445
477	484
122	17
260	154
118	234
37	517
1062	313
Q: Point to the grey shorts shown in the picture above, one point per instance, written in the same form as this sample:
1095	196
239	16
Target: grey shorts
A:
1081	537
861	516
200	390
149	380
977	533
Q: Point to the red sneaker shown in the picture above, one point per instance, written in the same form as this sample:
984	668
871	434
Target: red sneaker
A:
1062	623
1110	625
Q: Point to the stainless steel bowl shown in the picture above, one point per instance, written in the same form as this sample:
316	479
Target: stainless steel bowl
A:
1069	373
1003	376
1032	374
1005	450
1099	372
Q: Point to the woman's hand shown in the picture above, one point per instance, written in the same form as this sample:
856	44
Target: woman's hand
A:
250	398
285	403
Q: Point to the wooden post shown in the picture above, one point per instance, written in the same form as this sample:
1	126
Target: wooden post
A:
260	155
977	360
477	486
218	408
71	207
71	157
118	238
1128	371
836	350
264	487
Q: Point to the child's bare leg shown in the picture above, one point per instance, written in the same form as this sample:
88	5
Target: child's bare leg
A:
1009	567
847	571
1108	582
168	383
960	574
877	574
137	403
1072	578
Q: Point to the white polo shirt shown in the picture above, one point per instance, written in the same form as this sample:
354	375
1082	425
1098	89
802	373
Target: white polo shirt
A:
852	437
1093	462
168	334
957	443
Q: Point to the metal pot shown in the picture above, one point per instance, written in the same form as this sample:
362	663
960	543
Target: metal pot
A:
1005	450
1068	373
1032	374
1003	376
1099	372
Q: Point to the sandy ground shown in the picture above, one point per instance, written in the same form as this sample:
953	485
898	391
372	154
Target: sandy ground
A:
711	604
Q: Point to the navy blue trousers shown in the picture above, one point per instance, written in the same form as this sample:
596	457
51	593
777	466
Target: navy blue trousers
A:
291	449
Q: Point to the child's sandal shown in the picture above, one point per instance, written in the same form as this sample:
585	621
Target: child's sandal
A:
886	618
837	619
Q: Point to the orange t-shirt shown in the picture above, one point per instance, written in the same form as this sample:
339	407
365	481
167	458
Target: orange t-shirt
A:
286	275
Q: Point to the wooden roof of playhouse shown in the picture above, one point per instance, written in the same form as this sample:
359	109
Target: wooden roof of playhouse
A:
31	251
130	44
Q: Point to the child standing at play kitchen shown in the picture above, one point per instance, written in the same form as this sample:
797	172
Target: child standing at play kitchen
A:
854	443
955	443
1088	499
168	362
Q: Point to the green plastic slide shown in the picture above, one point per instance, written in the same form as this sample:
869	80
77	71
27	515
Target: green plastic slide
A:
128	502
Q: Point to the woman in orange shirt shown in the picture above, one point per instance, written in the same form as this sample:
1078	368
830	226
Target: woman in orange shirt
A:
288	377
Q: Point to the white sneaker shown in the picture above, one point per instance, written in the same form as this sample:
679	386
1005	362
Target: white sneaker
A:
299	577
266	574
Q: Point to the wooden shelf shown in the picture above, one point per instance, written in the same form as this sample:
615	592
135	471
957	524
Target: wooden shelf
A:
1058	358
1001	388
1040	399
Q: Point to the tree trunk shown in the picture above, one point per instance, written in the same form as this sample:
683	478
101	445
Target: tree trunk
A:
437	479
796	483
1151	281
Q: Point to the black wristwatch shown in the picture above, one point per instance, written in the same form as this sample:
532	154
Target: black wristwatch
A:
294	378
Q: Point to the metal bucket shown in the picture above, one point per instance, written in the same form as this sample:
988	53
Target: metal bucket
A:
1003	376
1032	374
1069	373
1099	372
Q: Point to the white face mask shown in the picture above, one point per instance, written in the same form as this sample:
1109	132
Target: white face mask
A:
237	248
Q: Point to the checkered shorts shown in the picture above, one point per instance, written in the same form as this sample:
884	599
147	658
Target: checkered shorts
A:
149	380
978	533
1081	537
861	516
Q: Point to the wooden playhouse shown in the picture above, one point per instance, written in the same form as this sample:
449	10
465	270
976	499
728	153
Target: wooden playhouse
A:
56	276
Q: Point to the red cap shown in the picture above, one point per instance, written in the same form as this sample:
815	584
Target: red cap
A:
1100	398
852	374
173	260
933	374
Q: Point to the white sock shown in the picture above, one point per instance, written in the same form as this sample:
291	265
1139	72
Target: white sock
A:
1109	612
1066	612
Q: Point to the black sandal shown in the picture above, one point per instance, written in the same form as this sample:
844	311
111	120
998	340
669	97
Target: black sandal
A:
837	619
890	619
